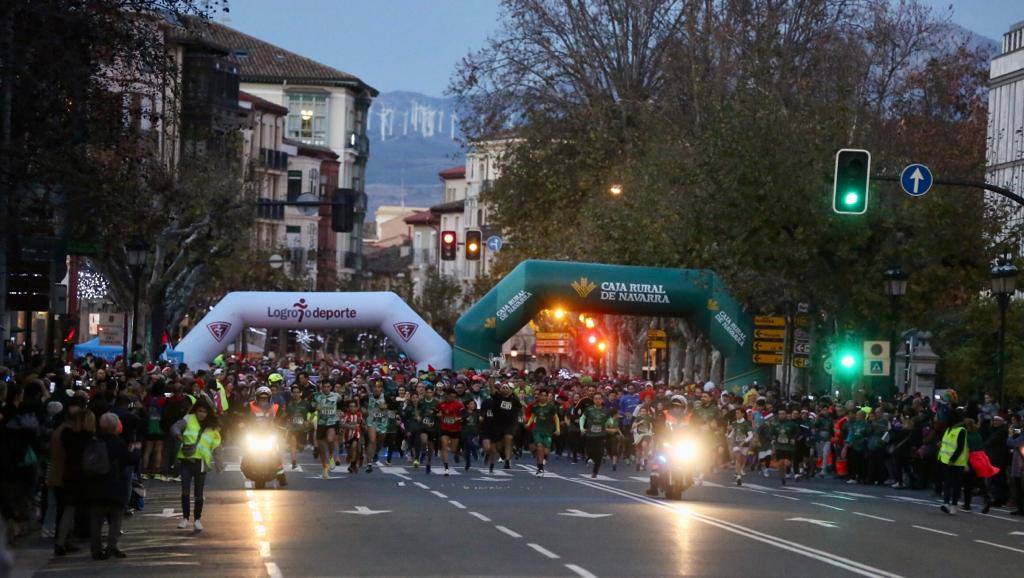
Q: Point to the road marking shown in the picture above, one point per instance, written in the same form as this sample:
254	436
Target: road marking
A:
249	493
581	572
261	531
856	495
927	529
232	468
499	473
257	517
647	480
364	511
781	543
581	514
1017	533
264	549
828	506
544	551
505	530
1000	518
253	505
457	504
273	571
1011	548
599	478
786	497
422	485
486	479
438	494
822	523
872	516
838	497
166	513
329	477
480	516
401	484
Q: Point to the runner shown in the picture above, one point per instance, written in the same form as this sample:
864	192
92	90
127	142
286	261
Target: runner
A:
376	422
784	435
352	424
450	413
470	431
643	432
427	412
488	438
506	410
544	420
740	435
596	428
326	403
297	413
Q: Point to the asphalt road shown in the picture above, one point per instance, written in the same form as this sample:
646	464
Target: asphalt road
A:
403	522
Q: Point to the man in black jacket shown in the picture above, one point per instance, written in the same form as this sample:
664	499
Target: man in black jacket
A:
109	491
995	447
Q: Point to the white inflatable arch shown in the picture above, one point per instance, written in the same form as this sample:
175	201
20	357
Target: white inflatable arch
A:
308	310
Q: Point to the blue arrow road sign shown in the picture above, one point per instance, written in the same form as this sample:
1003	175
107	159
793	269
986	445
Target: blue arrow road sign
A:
916	180
494	243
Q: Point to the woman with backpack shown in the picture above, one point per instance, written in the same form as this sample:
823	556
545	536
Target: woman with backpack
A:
199	436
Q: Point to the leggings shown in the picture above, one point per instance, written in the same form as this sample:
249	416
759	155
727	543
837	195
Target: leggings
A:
953	477
595	449
192	472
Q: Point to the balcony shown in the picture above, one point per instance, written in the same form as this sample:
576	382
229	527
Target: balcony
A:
273	160
360	143
269	212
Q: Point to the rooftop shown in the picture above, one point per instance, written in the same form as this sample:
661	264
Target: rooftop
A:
458	172
423	218
261	103
450	207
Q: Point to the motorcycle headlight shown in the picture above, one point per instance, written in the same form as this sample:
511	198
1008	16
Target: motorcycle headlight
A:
686	450
259	443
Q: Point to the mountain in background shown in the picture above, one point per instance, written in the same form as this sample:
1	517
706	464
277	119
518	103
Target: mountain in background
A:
412	138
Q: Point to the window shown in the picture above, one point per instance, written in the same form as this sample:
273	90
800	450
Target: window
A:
307	118
314	181
294	185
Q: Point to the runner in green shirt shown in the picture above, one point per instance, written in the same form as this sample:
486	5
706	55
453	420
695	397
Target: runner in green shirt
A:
544	419
427	410
784	436
594	424
298	415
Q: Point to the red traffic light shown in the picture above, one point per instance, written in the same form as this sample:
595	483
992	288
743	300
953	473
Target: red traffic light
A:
448	245
448	238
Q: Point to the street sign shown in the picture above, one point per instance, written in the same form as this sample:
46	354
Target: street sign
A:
876	358
554	350
770	321
494	243
827	366
801	362
802	321
656	334
801	347
310	209
770	346
916	180
769	333
768	358
656	344
545	335
800	335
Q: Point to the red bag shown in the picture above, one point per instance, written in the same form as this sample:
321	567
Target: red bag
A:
981	465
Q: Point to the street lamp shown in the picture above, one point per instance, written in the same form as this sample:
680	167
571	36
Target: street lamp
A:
895	287
615	189
136	251
1004	284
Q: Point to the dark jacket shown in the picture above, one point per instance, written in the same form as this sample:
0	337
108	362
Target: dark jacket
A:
113	488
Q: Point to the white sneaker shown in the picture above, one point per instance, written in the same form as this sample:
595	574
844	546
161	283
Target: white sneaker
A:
183	524
198	526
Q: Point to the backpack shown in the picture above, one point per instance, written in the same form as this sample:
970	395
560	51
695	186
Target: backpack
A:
95	459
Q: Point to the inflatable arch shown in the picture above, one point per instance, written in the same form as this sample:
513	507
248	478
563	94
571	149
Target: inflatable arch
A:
307	310
611	289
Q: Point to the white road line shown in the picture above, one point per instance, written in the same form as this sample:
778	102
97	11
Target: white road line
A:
786	497
264	549
1000	518
828	506
856	495
273	571
401	484
480	516
438	494
927	529
544	551
872	516
422	485
781	543
581	572
457	504
1000	546
249	493
505	530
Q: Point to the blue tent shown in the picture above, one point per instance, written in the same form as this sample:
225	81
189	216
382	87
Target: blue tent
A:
107	352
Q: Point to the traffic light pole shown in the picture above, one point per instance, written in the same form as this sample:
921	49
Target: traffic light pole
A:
1001	191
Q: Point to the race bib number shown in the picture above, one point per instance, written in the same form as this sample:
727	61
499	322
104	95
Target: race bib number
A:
449	420
378	415
428	421
596	429
783	439
506	405
298	421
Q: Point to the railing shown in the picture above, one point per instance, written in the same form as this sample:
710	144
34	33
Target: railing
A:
272	159
271	212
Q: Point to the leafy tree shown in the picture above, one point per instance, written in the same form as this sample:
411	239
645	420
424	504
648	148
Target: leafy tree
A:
439	303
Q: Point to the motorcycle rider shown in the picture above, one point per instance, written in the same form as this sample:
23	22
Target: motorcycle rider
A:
262	415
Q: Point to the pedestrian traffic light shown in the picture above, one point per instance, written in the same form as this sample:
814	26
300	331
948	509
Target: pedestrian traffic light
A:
448	245
343	208
473	244
851	182
847	360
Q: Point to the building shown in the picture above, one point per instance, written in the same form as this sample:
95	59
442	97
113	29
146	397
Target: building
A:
1005	155
326	108
389	227
423	231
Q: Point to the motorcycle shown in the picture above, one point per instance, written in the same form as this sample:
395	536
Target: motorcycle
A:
261	458
675	465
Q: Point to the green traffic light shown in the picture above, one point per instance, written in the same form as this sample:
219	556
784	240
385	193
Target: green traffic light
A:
848	361
851	198
851	182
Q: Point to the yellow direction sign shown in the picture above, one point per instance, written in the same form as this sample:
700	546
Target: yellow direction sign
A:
656	344
801	362
760	333
802	320
542	335
770	321
767	358
656	334
772	346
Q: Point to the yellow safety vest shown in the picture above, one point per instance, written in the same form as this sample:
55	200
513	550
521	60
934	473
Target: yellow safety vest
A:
949	447
222	393
204	446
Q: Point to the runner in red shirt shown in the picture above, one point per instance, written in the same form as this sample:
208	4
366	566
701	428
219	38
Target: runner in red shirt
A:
450	411
352	427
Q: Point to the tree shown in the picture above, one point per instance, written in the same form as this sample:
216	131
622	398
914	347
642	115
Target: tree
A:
438	303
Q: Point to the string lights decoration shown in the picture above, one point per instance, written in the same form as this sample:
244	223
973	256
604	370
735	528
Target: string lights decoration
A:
92	285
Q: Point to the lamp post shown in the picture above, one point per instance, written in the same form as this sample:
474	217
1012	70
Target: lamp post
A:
895	287
136	250
1004	284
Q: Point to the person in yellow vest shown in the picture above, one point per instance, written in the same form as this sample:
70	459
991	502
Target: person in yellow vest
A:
218	392
953	457
199	435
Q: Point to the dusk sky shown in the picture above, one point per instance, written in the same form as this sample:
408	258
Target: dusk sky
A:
415	44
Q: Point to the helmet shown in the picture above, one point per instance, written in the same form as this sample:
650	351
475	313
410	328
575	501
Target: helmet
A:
678	399
275	378
262	390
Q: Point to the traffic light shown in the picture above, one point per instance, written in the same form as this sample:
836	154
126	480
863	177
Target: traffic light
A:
473	244
851	182
846	360
343	208
448	245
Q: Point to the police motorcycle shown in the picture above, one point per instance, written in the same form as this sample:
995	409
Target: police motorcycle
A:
261	452
677	455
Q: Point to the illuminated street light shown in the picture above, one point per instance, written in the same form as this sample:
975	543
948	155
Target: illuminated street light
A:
616	189
559	313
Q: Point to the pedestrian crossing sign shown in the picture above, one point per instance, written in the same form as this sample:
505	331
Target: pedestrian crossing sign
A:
877	368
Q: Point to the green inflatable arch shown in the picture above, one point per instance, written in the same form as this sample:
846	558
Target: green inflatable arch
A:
611	289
